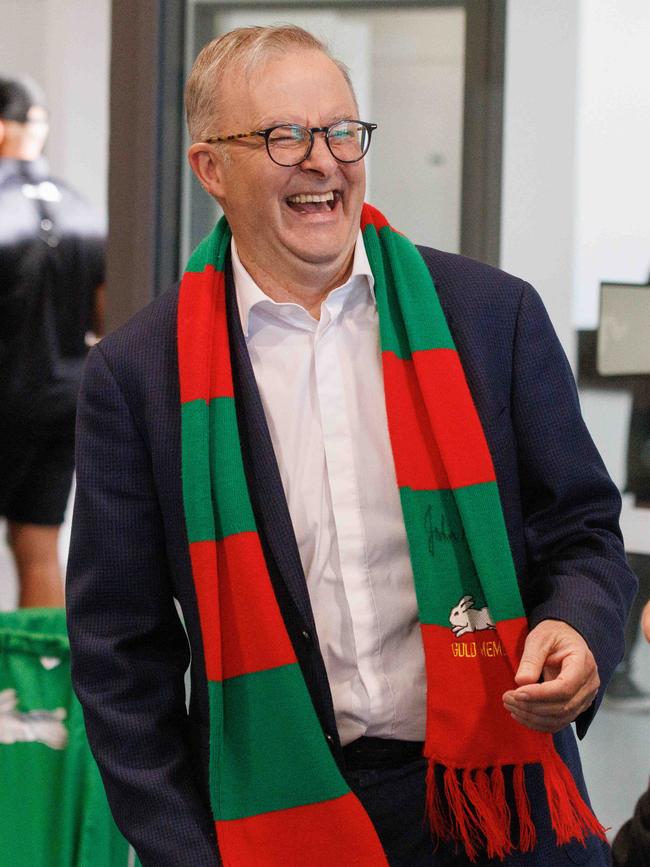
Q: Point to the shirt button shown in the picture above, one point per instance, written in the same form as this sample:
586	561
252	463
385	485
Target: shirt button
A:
306	634
329	738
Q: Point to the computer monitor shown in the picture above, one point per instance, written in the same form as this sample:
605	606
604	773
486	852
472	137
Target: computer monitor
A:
623	346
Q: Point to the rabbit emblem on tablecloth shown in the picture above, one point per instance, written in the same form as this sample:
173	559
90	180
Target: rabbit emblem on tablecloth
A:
44	726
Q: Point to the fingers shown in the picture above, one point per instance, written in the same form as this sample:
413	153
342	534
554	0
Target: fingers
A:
550	715
536	651
559	653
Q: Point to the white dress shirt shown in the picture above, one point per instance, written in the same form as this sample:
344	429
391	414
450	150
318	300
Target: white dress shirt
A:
322	390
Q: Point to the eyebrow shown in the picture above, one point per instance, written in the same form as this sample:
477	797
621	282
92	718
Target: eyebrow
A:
283	121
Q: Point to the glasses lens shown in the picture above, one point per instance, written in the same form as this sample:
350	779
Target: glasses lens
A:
348	140
288	144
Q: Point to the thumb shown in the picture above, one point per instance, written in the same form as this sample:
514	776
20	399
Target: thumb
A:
532	660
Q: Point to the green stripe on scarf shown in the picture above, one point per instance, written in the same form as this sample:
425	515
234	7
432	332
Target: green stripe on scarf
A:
258	758
273	779
216	475
428	328
441	558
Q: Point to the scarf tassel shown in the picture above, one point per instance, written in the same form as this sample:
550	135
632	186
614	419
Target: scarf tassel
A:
469	806
571	817
527	833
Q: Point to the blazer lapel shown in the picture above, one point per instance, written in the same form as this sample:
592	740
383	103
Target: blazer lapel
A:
267	493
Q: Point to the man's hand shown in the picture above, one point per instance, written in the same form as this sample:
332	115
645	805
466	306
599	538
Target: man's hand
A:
554	650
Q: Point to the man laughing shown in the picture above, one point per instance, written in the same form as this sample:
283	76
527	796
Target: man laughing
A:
360	470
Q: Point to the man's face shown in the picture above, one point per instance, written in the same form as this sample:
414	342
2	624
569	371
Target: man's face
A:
283	238
24	140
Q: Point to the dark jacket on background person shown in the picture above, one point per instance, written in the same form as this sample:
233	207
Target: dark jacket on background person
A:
51	263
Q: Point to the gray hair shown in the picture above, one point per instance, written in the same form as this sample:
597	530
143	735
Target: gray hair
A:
242	48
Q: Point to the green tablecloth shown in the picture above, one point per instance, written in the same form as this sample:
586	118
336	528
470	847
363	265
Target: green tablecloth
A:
53	810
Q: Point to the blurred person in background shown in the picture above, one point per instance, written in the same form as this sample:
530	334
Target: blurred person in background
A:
51	276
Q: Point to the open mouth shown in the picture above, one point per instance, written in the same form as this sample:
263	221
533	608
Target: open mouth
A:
314	203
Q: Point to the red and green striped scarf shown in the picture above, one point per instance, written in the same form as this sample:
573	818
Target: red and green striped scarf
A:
278	797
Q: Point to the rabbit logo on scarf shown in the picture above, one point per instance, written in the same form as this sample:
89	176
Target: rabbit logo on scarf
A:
465	618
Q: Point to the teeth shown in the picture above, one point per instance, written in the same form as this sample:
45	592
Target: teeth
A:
302	198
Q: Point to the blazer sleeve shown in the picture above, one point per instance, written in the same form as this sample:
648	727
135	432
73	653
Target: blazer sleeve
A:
128	648
571	507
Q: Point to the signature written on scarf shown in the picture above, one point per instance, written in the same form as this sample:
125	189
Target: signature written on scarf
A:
438	530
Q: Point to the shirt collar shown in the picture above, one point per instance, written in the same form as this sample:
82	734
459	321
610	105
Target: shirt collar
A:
249	293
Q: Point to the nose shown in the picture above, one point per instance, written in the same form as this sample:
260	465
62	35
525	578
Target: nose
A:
320	157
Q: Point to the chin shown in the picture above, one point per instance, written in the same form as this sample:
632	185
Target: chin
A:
317	248
319	255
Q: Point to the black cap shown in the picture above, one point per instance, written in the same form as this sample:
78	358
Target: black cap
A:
17	96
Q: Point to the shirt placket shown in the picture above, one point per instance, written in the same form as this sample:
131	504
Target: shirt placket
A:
342	475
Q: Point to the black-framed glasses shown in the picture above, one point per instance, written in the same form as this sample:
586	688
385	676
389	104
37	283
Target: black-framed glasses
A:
289	144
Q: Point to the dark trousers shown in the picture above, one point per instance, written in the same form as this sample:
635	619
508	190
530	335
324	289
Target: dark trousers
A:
394	798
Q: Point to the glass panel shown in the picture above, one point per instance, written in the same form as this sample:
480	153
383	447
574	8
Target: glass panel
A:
407	66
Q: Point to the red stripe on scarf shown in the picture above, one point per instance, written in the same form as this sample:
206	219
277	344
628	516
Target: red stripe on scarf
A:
241	623
467	676
370	216
253	633
325	834
202	329
449	410
466	799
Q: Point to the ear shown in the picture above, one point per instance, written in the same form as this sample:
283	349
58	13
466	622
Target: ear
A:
2	133
208	166
466	602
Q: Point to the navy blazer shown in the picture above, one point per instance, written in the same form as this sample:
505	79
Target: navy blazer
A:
129	569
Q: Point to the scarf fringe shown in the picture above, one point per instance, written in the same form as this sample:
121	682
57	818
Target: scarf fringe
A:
527	832
434	806
469	806
491	811
571	817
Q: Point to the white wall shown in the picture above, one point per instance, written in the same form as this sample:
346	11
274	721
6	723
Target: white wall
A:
612	239
538	198
64	45
22	37
576	182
